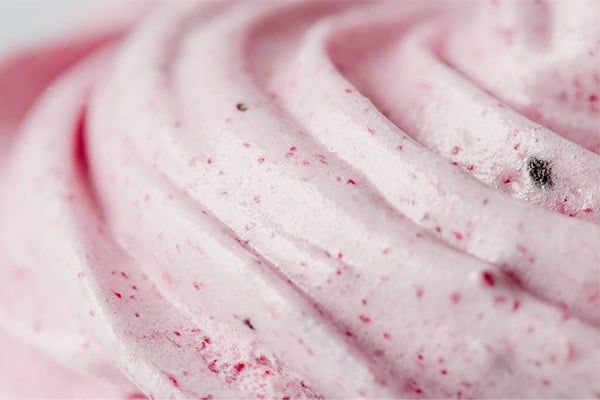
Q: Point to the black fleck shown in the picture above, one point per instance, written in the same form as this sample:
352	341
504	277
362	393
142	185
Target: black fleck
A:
241	106
249	324
540	171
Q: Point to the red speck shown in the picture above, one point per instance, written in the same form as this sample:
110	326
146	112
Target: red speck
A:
419	291
137	315
400	147
241	107
351	182
420	357
500	300
338	272
458	235
516	146
349	334
177	333
119	295
348	90
438	229
340	255
379	353
134	287
239	367
488	278
364	319
364	302
455	150
443	372
209	161
571	352
486	202
262	360
124	275
285	398
418	391
173	380
588	210
387	335
546	382
136	396
132	297
507	181
465	384
470	167
207	397
513	277
455	297
516	305
293	149
196	285
246	144
260	159
593	98
371	130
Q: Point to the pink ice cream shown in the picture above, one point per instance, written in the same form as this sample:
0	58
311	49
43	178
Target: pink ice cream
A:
305	200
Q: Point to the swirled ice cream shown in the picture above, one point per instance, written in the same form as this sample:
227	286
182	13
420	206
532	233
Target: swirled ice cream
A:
305	200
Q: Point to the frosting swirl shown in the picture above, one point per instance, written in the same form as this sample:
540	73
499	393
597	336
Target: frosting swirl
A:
307	199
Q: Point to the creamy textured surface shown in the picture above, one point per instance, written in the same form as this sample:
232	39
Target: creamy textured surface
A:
304	200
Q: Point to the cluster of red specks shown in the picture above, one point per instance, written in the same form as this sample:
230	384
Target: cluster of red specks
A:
411	386
205	343
212	366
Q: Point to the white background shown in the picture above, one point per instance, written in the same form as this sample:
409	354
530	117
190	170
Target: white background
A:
23	22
